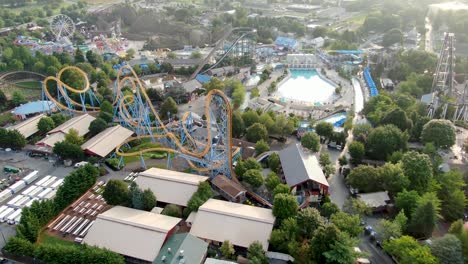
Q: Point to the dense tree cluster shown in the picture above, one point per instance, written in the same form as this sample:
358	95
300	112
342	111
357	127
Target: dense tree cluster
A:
11	139
203	193
117	192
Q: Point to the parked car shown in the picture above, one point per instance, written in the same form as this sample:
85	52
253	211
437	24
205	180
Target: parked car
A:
80	164
368	229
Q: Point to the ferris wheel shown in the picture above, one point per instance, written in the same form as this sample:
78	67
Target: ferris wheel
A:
62	27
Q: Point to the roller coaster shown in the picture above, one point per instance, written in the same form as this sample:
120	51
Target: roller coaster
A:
135	111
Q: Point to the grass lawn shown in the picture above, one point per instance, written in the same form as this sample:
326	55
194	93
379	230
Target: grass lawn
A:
51	240
6	118
147	155
30	84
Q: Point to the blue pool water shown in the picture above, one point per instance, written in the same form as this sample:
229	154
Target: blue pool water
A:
306	86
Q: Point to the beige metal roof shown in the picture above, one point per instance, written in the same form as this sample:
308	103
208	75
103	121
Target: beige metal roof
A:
170	186
131	232
105	142
28	127
240	224
80	123
375	199
50	140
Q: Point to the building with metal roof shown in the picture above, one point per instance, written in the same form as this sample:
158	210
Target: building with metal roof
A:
105	142
218	261
134	233
28	127
34	108
182	248
169	186
79	123
301	170
229	189
284	42
241	224
377	200
203	78
192	85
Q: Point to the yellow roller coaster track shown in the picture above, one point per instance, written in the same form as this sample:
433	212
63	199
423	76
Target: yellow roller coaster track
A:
129	99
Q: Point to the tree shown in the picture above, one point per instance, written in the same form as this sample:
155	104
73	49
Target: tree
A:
322	241
356	151
261	146
271	181
196	55
440	132
283	126
407	201
391	37
116	192
398	118
227	249
324	159
361	132
238	126
256	132
73	137
393	178
149	200
172	210
68	150
107	107
256	254
19	246
238	95
254	92
451	193
214	83
342	250
425	216
418	168
96	126
250	117
58	119
342	161
79	57
308	220
284	206
447	249
169	106
281	188
324	129
388	229
365	178
45	124
93	58
328	209
355	206
347	223
407	250
274	162
253	177
18	98
385	140
203	193
311	141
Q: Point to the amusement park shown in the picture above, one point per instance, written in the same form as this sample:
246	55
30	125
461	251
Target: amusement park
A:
264	133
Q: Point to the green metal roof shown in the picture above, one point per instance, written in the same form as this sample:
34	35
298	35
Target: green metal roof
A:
194	250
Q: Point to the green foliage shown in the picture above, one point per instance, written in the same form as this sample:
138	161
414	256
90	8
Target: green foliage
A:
250	117
11	139
281	188
355	206
391	37
58	119
447	249
253	177
45	124
149	200
203	193
398	118
238	94
426	215
324	129
388	229
452	195
256	132
107	107
238	126
393	178
328	209
418	168
283	126
342	161
322	241
408	251
19	246
308	220
172	210
18	98
311	141
256	254
324	159
214	83
407	201
227	249
254	92
68	150
116	192
440	132
357	151
168	106
271	181
73	137
342	250
347	223
261	146
274	162
105	116
365	178
96	126
385	140
61	254
284	206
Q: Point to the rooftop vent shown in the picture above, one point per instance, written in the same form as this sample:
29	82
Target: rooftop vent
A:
163	259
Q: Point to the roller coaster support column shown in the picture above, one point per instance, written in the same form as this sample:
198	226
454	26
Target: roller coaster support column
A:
142	161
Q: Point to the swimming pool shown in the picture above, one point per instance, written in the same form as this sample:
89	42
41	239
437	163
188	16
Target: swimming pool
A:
306	86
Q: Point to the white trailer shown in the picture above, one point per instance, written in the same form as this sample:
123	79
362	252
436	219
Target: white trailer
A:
41	181
21	202
85	230
3	208
68	224
18	186
5	214
44	193
49	182
18	219
5	195
30	202
36	191
29	190
77	230
57	184
11	218
57	226
50	195
31	177
15	199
